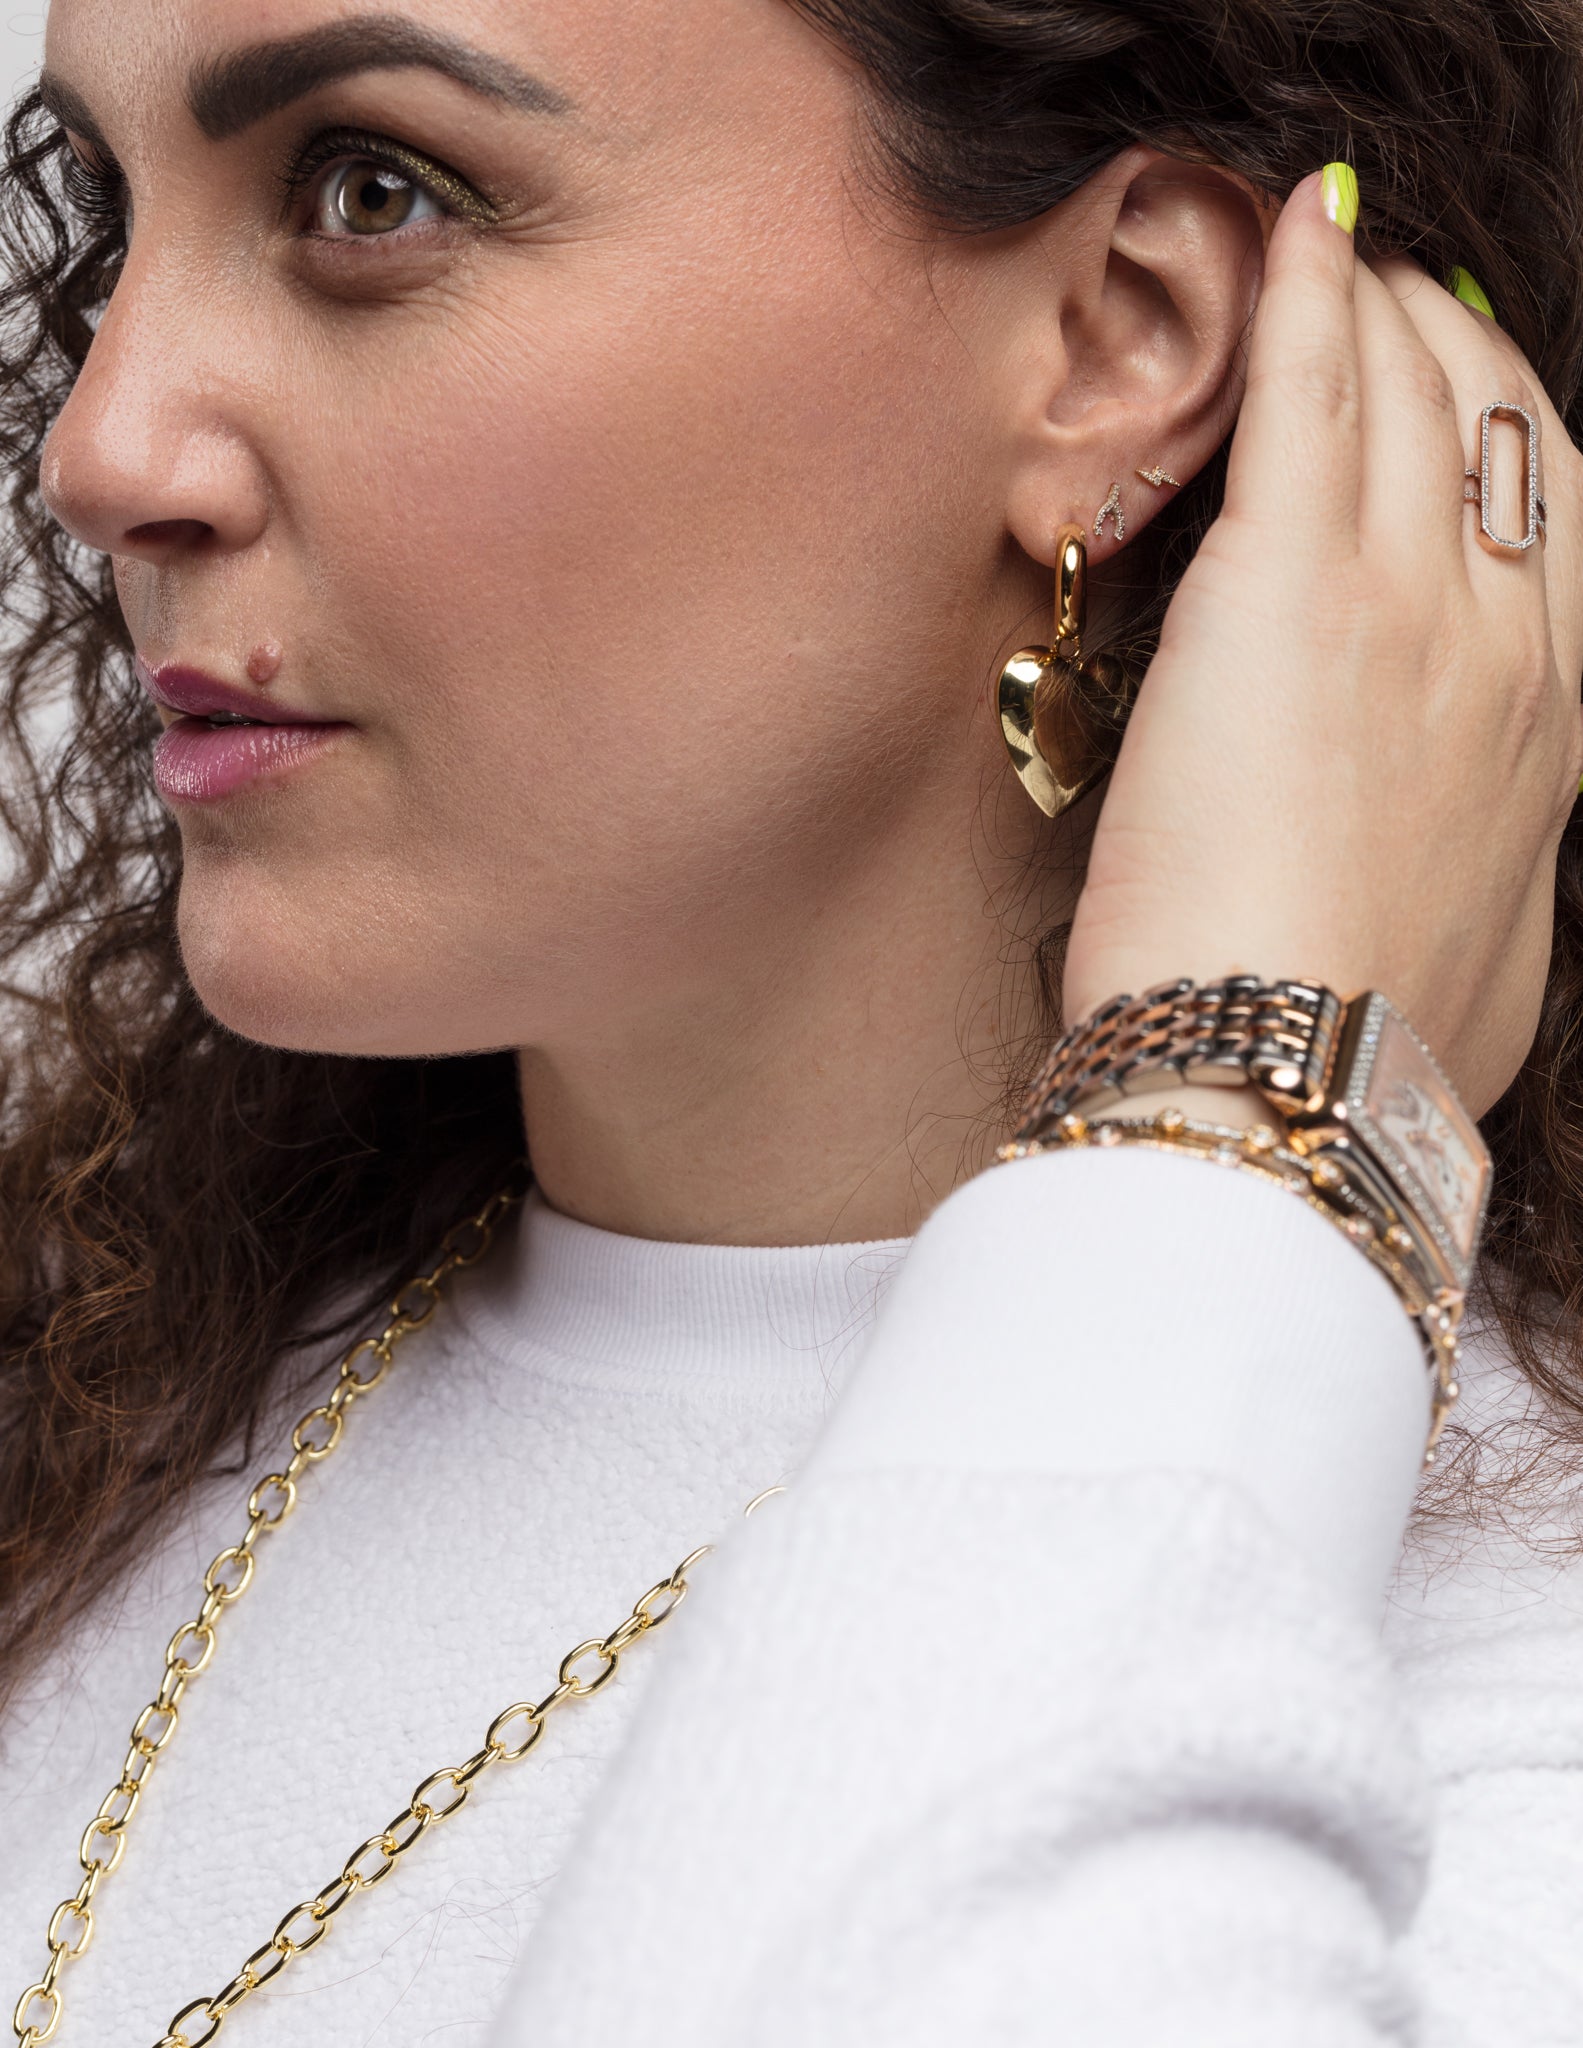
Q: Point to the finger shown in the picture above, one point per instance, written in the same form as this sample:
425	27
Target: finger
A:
1485	366
1459	333
1300	415
1411	506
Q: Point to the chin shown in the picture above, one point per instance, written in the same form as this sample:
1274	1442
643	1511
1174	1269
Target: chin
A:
297	969
279	973
268	993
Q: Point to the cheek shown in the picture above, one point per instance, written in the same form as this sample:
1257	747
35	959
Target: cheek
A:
626	604
619	572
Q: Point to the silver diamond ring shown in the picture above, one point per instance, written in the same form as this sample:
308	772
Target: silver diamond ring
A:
1476	482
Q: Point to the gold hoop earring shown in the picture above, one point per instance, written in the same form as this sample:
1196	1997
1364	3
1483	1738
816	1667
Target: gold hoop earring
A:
1062	715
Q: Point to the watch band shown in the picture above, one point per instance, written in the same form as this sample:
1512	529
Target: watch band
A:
1364	1111
1278	1036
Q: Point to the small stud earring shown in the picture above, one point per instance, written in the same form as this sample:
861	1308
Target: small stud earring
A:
1158	477
1111	509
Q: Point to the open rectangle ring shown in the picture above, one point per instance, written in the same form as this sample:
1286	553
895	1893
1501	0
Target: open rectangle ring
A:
1476	486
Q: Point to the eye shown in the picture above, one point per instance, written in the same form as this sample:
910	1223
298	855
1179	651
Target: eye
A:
363	197
95	191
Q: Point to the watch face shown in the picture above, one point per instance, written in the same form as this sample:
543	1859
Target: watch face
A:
1418	1124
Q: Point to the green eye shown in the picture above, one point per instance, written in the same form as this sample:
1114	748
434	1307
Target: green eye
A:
362	197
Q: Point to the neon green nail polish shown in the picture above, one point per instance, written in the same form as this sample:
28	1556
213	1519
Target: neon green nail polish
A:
1339	187
1466	287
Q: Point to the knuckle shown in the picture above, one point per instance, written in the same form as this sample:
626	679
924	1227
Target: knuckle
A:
1511	384
1531	693
1527	644
1509	366
1438	397
1319	380
1427	387
1325	382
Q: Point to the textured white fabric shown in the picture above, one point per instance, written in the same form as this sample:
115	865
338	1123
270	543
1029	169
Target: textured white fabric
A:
1052	1704
1211	1337
1485	1631
589	1410
1049	1711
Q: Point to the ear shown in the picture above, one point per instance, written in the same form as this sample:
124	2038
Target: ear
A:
1137	304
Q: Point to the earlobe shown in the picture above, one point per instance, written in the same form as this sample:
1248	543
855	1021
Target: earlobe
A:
1160	264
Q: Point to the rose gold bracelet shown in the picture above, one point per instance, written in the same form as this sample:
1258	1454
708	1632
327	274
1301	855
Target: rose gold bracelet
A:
1367	1223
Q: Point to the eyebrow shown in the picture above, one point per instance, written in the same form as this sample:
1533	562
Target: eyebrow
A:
229	94
71	111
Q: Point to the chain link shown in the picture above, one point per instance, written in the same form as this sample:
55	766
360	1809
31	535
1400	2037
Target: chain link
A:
511	1735
39	2010
508	1739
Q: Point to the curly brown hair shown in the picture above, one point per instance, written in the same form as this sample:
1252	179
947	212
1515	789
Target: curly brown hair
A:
179	1207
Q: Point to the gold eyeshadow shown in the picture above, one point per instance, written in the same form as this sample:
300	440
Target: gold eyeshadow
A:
343	145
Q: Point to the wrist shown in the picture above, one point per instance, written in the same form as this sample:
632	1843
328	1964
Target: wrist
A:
1339	1098
1240	1109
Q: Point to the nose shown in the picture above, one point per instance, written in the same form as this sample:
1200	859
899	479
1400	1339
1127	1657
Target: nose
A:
151	456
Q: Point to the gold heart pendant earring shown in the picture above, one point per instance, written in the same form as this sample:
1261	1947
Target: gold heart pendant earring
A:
1062	716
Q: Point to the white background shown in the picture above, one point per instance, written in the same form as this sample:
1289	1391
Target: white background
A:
21	47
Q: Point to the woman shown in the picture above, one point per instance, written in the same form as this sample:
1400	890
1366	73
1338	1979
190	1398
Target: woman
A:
568	477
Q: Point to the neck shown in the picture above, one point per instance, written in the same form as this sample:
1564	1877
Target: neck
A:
832	1080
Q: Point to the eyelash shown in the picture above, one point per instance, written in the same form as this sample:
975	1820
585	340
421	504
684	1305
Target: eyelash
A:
96	191
355	145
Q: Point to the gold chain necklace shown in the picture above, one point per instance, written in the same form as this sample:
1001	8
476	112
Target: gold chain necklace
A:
512	1733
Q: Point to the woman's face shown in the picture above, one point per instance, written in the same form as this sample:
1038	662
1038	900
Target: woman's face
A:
533	391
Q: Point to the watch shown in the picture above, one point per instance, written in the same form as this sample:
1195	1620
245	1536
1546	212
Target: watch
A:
1359	1097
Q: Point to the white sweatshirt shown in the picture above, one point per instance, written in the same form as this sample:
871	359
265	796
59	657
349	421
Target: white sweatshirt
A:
1052	1704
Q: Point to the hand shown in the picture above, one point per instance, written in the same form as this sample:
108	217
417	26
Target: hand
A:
1355	752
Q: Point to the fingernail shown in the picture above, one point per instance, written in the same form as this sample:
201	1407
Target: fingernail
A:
1339	187
1466	287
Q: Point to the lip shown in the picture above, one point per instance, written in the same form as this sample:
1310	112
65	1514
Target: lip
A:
196	763
197	695
199	763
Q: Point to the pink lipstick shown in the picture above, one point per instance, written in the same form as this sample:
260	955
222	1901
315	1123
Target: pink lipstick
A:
226	738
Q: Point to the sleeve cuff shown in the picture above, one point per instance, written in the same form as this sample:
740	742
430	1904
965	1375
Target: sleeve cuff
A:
1088	1312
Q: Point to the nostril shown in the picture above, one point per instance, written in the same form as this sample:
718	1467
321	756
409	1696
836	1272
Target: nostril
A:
164	534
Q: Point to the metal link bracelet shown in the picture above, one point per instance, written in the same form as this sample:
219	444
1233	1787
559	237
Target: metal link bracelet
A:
511	1735
1262	1151
1278	1035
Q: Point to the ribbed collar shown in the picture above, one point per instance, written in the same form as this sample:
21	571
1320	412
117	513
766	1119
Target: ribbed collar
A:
631	1310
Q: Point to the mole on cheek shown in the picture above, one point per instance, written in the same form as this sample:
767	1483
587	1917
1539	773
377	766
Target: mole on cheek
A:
263	664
